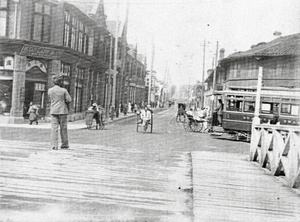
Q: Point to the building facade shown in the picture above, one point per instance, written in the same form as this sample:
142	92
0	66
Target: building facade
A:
280	60
134	76
49	37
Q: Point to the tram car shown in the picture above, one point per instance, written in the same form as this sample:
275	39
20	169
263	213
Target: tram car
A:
239	107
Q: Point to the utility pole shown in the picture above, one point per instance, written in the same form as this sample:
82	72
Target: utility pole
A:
113	102
151	73
256	119
203	74
214	78
215	71
108	89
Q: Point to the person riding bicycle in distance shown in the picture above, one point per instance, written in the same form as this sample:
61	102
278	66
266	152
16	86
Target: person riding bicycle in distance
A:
146	115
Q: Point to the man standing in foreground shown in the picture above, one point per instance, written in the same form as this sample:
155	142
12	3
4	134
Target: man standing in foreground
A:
59	98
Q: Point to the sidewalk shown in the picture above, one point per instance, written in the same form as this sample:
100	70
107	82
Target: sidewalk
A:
78	124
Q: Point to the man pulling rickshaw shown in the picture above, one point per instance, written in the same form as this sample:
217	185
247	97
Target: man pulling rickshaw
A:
94	112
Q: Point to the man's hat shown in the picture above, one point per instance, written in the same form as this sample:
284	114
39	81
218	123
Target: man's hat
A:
57	78
94	104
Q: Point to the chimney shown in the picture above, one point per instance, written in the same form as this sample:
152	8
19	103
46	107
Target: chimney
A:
222	54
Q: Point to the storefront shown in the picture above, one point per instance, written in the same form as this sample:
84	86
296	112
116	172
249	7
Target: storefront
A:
26	75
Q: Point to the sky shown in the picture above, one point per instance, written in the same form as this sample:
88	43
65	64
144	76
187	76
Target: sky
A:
178	29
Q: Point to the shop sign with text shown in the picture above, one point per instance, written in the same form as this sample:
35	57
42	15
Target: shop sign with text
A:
41	52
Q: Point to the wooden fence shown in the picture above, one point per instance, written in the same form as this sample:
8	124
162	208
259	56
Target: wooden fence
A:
277	148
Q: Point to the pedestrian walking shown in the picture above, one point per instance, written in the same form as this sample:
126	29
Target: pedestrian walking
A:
33	114
125	110
60	99
129	107
135	108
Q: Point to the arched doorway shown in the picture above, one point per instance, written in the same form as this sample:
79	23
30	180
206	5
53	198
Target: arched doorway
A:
35	86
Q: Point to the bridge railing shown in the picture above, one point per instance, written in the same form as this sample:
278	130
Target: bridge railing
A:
277	148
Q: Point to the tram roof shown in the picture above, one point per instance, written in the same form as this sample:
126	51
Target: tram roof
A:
274	93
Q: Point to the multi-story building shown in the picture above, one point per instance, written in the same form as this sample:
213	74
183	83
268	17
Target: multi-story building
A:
151	84
280	61
279	58
134	76
45	38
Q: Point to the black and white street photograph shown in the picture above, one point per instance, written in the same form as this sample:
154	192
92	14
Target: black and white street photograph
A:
149	111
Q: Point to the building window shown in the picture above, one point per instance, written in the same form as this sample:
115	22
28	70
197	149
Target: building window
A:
3	17
81	37
65	69
78	90
41	22
74	33
90	42
67	29
86	40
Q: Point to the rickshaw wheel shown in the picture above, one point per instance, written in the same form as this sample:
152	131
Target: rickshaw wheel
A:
194	126
187	126
199	127
101	126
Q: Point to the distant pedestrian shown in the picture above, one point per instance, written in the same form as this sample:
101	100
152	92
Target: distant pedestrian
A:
129	107
275	119
125	110
33	114
60	99
135	108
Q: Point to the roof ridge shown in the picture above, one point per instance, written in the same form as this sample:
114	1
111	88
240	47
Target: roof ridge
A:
286	45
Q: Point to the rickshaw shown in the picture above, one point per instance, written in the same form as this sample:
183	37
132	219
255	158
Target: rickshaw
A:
181	112
89	117
139	121
195	123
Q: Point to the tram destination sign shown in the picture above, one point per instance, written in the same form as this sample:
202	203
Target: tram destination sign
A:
41	52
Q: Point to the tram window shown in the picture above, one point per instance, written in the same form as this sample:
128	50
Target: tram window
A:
249	106
290	109
234	105
294	110
269	107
